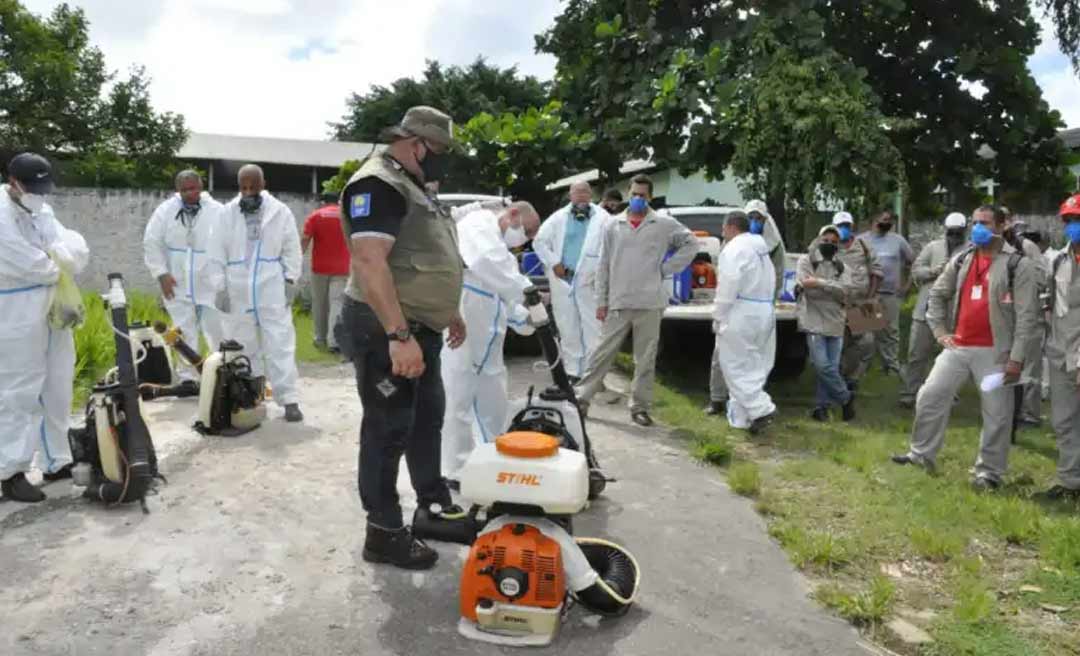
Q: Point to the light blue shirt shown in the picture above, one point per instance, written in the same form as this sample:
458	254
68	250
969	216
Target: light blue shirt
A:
894	253
574	240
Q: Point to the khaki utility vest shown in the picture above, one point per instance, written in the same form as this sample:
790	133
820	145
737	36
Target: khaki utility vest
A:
424	261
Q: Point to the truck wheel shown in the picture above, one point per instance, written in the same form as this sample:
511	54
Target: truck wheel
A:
791	351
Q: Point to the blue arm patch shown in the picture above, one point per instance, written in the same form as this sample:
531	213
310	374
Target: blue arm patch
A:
360	206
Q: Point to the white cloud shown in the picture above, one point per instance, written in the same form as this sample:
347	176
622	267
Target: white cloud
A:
281	68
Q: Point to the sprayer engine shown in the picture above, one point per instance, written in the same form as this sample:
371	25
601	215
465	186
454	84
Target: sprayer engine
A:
231	397
524	565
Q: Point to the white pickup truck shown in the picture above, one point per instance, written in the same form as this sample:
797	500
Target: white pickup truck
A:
696	305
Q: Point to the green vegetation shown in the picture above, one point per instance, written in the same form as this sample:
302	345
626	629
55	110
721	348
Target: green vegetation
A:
983	568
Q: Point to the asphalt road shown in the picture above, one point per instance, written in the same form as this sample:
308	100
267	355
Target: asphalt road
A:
254	546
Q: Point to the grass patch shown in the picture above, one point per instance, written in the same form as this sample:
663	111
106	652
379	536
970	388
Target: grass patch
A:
713	450
844	513
866	608
745	479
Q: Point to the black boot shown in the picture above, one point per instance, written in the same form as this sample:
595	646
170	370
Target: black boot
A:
292	413
398	547
59	474
716	408
17	488
849	409
820	414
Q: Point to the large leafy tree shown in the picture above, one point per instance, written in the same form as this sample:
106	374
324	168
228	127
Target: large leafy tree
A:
53	100
462	92
696	84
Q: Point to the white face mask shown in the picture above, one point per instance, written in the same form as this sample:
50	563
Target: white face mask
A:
515	237
32	202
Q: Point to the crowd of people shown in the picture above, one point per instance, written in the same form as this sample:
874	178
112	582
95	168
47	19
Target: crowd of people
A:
419	298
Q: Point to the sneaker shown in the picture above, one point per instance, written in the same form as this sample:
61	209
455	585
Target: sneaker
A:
759	425
716	408
985	484
908	459
17	488
820	414
59	474
849	409
1029	421
641	418
292	413
398	547
1057	493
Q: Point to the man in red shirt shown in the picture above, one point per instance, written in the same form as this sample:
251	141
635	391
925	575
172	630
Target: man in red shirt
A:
984	311
329	268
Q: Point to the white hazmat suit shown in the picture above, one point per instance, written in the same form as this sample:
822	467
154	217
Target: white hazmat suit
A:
573	303
179	245
37	368
252	266
745	325
474	375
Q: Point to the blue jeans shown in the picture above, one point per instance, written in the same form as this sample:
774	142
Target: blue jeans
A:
825	354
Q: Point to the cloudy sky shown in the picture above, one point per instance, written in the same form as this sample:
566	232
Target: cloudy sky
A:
284	67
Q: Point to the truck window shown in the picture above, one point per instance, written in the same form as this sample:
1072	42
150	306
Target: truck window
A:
710	223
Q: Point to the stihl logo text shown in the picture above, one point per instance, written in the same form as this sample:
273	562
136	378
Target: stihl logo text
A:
506	478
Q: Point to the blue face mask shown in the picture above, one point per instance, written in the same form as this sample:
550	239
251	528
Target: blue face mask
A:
1072	231
981	235
845	232
638	205
757	227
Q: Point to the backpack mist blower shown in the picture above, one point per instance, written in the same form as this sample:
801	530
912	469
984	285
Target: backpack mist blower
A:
114	455
155	374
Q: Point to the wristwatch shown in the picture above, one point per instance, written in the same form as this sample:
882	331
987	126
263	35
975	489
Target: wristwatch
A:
399	335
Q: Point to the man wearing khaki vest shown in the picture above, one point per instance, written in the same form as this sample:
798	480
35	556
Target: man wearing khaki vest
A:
403	292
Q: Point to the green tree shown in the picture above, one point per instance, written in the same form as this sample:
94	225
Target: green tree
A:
523	152
1066	15
52	100
659	79
460	92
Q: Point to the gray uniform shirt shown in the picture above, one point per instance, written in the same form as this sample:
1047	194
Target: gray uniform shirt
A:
821	309
928	266
632	267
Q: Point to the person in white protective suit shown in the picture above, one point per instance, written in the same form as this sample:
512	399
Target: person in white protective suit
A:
37	368
569	245
256	263
176	247
474	375
745	323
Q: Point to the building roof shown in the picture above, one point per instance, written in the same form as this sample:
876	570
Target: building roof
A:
272	150
630	167
1071	138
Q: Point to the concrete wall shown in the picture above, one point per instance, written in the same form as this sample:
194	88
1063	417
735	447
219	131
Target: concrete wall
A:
113	221
922	232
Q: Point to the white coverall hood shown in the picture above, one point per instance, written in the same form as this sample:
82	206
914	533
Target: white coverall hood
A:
574	303
37	369
474	375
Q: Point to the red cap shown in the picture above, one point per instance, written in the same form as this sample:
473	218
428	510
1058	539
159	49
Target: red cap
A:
1071	206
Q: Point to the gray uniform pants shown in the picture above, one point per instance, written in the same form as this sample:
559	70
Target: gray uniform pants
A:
935	401
645	325
1065	415
887	340
718	391
326	297
922	347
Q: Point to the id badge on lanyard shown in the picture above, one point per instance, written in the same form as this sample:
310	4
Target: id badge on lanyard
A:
976	292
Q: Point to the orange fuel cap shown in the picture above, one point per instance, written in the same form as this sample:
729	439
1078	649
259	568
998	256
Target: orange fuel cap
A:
526	445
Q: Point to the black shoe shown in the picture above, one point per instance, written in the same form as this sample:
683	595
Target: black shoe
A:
716	408
1057	493
820	414
984	484
759	425
1027	421
849	409
642	418
907	404
292	413
852	385
59	474
398	547
17	488
449	524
